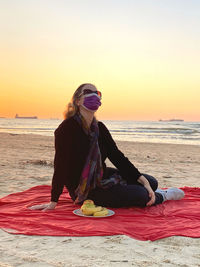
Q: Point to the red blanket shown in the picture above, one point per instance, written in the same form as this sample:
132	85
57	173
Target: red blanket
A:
180	217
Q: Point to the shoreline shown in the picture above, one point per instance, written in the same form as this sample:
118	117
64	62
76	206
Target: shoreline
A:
117	141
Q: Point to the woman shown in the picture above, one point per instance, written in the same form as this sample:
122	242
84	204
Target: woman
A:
82	145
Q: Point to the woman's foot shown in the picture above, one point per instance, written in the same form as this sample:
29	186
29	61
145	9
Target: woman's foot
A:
172	193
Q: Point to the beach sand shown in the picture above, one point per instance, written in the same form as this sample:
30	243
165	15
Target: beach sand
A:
27	161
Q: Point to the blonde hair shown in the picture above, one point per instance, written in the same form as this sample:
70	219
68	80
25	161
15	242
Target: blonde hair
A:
72	107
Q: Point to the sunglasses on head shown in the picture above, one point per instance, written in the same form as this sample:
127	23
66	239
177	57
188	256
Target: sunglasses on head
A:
88	91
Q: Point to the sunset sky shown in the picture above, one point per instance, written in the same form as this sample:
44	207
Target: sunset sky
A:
143	55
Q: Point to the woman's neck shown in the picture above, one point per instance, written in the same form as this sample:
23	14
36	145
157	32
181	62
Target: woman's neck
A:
88	116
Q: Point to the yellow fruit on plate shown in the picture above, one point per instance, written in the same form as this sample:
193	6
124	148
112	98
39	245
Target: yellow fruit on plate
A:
90	209
86	206
88	201
102	212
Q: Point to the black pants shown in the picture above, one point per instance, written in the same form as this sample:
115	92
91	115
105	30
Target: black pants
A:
133	194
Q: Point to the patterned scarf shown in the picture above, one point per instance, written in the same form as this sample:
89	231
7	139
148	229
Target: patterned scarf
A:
92	171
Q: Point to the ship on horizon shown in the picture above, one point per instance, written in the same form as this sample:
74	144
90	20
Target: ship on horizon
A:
172	120
19	117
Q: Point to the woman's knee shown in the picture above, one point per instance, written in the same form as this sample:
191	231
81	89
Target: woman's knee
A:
152	181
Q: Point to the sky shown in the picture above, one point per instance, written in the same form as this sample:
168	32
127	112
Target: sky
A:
144	56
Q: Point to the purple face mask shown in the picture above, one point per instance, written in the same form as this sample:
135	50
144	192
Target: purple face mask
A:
92	102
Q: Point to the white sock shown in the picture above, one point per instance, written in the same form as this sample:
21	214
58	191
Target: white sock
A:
172	193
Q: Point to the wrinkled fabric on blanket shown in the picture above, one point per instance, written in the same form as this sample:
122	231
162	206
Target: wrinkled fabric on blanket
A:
181	217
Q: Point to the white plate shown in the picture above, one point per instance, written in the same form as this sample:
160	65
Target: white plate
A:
79	213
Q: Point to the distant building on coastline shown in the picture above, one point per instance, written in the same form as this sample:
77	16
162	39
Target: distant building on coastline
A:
19	117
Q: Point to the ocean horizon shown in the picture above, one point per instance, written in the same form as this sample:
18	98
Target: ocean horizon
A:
165	131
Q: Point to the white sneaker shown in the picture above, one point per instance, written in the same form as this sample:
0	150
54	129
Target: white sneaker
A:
172	193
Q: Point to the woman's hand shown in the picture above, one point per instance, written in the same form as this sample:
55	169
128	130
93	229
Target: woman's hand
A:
142	180
151	195
44	207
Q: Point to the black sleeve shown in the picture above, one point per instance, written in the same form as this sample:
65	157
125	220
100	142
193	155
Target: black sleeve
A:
128	171
65	160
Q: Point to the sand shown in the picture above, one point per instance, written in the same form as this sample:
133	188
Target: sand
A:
27	160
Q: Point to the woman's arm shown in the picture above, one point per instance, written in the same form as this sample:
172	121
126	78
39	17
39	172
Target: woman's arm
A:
68	160
122	163
61	159
126	168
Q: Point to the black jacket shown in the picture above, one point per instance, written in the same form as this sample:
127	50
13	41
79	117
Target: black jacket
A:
71	150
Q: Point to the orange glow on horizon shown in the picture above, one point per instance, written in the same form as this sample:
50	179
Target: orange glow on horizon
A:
146	63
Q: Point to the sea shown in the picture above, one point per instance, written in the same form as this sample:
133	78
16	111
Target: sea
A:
172	132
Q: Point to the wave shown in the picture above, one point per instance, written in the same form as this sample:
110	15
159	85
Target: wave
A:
157	130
